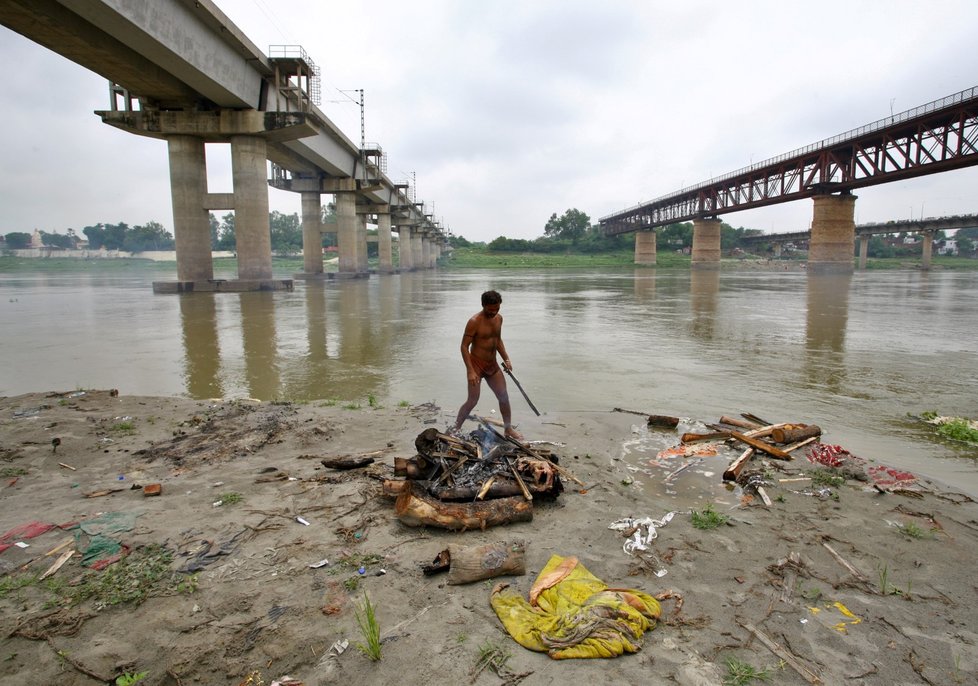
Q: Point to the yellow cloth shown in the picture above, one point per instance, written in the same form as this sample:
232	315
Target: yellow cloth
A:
575	614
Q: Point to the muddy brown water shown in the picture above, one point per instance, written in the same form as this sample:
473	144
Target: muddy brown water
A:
858	355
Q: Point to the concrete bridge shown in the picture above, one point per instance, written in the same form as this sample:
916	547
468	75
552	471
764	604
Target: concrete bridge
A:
181	71
932	138
927	227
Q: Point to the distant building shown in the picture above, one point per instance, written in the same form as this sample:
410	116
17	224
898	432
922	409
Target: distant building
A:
36	240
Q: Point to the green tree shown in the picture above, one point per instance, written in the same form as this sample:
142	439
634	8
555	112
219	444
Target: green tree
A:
572	225
56	240
150	236
966	246
226	238
286	232
328	220
214	228
95	235
18	240
674	236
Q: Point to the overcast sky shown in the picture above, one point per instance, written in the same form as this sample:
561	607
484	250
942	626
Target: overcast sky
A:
508	111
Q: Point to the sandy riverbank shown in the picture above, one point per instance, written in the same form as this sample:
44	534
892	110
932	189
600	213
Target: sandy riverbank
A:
903	614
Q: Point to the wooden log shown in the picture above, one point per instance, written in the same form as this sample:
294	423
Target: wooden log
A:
795	433
754	418
395	487
520	482
475	563
742	423
407	466
690	437
795	446
761	445
663	421
498	488
735	467
419	509
347	461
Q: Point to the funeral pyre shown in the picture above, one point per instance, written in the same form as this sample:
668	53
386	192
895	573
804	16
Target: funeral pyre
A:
473	481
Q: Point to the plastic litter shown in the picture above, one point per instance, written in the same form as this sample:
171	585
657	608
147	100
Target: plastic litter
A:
302	521
321	563
644	531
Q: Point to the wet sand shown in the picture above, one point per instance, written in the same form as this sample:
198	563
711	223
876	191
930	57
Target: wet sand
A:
822	586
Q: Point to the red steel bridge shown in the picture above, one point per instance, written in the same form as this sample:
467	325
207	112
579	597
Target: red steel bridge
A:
936	137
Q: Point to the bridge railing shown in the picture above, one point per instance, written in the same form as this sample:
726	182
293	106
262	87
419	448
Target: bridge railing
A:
946	101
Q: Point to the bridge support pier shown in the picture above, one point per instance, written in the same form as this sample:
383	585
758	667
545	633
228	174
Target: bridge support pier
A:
645	248
188	193
312	236
385	261
927	248
347	235
863	250
833	238
362	244
706	243
251	233
417	250
404	258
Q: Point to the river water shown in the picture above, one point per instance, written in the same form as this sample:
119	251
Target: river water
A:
855	354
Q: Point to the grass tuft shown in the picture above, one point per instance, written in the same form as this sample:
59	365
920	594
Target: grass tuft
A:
708	518
369	629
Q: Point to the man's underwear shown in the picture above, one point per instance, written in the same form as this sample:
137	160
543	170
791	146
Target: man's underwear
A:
484	368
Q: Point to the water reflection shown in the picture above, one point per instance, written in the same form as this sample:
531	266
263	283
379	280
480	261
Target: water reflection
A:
198	315
644	284
258	336
704	284
825	333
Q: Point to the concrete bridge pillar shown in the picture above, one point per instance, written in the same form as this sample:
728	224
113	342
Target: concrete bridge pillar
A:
191	223
833	234
863	250
312	237
645	247
362	244
417	249
385	261
927	248
426	252
706	243
404	261
346	233
252	235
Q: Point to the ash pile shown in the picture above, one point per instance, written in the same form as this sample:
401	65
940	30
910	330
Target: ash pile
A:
472	482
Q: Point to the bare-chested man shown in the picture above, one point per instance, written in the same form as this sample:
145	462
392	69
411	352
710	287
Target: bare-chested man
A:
482	339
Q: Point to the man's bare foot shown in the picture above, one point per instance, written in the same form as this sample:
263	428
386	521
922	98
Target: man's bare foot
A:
513	433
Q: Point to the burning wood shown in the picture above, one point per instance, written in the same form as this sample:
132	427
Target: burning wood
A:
463	482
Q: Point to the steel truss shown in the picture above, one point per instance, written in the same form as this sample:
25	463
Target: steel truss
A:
936	137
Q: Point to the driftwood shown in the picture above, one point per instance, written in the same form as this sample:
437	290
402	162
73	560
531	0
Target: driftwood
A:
807	674
663	421
475	563
791	434
735	467
742	423
418	509
761	445
347	461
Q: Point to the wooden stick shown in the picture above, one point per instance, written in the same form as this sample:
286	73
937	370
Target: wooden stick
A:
754	418
761	445
59	563
805	673
743	424
764	496
795	446
519	480
733	471
838	558
67	466
793	433
485	488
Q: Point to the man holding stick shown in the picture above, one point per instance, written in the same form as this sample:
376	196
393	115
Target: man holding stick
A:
483	338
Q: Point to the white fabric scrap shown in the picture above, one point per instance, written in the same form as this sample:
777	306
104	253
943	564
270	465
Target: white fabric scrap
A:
645	531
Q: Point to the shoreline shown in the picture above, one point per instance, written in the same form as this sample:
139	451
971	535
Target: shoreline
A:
848	583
